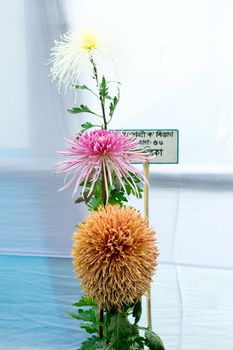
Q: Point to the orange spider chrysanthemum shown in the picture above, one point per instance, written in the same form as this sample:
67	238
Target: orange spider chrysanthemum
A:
115	255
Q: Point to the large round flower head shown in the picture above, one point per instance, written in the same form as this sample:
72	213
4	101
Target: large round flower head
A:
71	57
114	255
101	153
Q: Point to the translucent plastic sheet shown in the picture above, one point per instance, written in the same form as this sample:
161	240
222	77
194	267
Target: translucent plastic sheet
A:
35	295
191	306
35	218
192	290
193	220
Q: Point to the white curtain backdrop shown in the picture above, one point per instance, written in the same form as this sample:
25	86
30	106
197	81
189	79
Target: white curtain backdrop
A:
176	67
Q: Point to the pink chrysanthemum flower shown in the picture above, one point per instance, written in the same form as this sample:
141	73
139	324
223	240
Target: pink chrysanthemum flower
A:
101	154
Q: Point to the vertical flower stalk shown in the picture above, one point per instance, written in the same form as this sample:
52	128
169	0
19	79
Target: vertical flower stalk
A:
100	92
104	170
104	174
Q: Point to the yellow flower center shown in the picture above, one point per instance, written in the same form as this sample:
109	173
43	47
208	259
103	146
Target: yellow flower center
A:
89	42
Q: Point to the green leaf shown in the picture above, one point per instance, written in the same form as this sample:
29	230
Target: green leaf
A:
137	311
87	315
95	202
93	343
153	341
84	315
85	301
96	196
114	103
87	125
119	331
82	109
130	190
136	341
135	178
117	196
104	88
89	328
84	87
81	87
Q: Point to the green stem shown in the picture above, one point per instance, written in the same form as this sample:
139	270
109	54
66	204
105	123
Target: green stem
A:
100	93
104	197
101	327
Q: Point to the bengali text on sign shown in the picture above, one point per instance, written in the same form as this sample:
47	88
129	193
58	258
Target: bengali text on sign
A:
163	144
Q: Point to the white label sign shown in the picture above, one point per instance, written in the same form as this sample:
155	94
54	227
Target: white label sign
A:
163	144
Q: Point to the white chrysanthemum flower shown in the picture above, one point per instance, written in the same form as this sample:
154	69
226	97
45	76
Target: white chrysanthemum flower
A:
71	58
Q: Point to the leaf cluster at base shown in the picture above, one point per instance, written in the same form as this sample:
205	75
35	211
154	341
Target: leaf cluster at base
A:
119	332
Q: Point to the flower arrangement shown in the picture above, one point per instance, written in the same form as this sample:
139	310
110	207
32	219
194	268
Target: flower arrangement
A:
114	251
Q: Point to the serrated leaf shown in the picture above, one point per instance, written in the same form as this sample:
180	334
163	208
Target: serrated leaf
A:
95	202
81	109
117	197
82	87
136	341
89	316
137	311
93	343
104	88
129	190
87	125
86	315
135	178
85	301
119	331
89	328
96	196
72	314
153	341
114	103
